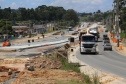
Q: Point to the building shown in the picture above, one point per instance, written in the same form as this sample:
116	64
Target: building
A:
22	28
39	29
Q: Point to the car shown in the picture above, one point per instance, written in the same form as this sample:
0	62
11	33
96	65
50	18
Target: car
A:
105	36
107	46
75	32
106	40
106	30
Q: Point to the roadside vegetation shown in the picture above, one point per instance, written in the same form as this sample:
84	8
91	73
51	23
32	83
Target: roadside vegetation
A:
75	67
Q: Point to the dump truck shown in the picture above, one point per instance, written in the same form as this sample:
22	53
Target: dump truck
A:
87	44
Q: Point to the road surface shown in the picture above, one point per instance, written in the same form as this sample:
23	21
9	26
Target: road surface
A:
108	61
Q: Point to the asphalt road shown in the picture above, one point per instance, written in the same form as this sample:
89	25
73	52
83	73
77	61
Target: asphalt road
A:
107	61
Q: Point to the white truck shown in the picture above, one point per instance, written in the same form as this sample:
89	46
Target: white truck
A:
95	32
88	44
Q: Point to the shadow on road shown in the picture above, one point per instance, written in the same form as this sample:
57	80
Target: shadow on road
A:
97	53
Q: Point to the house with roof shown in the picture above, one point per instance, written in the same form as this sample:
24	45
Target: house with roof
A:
39	29
22	28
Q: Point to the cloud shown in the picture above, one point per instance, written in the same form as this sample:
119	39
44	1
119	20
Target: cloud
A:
14	5
83	5
33	3
96	1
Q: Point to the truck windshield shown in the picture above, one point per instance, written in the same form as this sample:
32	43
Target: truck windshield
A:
88	39
94	34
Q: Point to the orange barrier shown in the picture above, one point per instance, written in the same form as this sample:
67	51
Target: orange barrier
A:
112	35
4	44
120	47
79	29
114	40
101	30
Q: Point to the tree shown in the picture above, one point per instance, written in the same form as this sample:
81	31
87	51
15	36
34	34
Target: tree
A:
71	15
23	13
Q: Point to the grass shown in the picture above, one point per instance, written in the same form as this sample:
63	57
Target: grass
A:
122	35
68	66
87	79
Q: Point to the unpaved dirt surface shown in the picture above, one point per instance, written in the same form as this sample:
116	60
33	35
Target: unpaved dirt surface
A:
46	63
4	76
16	65
47	71
46	77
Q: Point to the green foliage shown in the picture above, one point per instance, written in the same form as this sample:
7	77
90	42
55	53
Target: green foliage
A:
68	66
41	13
96	16
6	25
123	26
123	35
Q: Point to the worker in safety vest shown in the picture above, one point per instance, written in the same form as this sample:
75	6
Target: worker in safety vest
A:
4	44
7	43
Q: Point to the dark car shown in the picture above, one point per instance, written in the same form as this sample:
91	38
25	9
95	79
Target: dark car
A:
106	30
107	46
105	36
106	40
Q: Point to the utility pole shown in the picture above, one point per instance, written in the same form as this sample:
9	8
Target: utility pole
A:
117	21
6	29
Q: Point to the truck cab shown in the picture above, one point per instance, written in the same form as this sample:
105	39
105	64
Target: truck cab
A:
88	44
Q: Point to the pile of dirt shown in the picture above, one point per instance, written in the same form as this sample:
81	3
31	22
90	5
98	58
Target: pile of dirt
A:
4	75
46	77
6	69
44	63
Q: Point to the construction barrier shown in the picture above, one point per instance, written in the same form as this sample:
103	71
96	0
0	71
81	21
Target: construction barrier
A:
120	47
114	40
4	44
101	30
112	35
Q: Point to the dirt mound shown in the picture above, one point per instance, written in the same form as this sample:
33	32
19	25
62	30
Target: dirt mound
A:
46	63
46	77
4	75
5	69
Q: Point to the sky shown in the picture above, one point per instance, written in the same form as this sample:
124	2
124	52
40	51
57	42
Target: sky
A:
77	5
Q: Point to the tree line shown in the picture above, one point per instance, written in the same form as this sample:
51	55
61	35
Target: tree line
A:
41	13
95	16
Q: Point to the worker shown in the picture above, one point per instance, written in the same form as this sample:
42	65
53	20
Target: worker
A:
7	43
4	44
43	35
